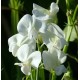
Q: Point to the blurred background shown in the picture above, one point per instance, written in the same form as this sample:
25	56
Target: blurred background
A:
11	12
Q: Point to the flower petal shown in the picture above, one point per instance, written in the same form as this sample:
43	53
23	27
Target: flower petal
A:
57	42
24	24
60	69
37	7
36	23
14	42
26	69
54	8
35	58
62	57
19	64
32	33
50	59
46	37
43	28
23	52
40	12
55	29
14	50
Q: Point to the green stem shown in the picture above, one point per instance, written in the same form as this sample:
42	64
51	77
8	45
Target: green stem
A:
69	31
53	75
73	58
14	20
26	78
57	1
74	17
38	45
76	31
75	13
37	74
70	28
31	77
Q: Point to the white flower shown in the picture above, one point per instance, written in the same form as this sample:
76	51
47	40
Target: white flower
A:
33	27
53	35
28	26
17	40
28	59
53	59
44	14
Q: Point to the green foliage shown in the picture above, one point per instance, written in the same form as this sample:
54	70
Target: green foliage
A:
15	6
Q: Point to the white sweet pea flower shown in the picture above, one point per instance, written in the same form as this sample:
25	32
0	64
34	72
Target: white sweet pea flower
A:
44	14
17	40
53	59
28	58
35	27
28	26
53	35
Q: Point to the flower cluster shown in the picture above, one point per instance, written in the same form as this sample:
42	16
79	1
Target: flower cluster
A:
35	32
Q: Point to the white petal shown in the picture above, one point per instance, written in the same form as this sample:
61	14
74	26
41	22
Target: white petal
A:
58	42
60	69
14	43
40	12
46	37
24	24
19	38
14	50
32	45
36	23
54	8
23	52
15	39
62	57
61	42
35	58
12	39
39	25
39	15
50	60
26	70
19	64
43	28
55	29
32	33
41	9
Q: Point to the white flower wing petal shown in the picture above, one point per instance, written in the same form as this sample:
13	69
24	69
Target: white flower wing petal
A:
26	69
24	24
14	50
54	8
50	60
61	42
14	42
62	57
60	69
23	52
39	15
43	28
36	23
40	12
46	37
55	29
35	58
